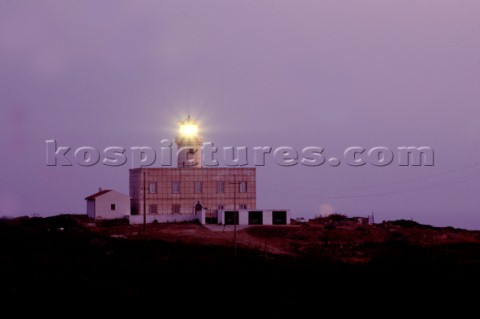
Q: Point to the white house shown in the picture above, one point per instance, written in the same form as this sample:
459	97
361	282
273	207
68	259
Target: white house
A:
108	204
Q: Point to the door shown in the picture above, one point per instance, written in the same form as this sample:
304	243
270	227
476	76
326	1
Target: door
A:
279	217
255	218
230	217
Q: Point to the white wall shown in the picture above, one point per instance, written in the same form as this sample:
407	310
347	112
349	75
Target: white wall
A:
220	216
243	217
201	216
103	205
176	218
184	157
267	217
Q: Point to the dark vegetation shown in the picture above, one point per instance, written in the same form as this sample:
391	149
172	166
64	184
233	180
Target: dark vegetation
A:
59	259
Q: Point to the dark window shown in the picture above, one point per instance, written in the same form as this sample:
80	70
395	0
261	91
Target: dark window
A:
112	207
153	208
176	209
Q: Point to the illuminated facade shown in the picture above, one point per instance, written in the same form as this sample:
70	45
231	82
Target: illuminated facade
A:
183	191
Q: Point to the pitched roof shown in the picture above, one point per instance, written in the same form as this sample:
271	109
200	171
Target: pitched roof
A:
100	193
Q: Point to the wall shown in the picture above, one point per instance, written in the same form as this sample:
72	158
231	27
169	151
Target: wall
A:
243	217
177	218
201	216
187	198
220	216
267	217
103	202
185	158
91	208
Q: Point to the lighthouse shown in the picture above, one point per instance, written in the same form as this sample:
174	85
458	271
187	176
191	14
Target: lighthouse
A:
189	143
188	192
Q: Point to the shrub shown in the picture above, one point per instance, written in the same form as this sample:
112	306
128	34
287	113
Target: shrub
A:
329	226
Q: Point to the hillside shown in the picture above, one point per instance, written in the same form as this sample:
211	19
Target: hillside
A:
68	258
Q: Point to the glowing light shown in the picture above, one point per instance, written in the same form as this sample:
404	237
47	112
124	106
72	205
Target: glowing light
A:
188	128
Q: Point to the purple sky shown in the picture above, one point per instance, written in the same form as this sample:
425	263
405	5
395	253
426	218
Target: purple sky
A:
298	73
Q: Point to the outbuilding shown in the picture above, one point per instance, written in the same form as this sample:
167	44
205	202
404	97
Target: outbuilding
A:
108	204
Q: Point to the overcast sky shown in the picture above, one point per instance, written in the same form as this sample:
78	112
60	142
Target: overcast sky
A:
332	74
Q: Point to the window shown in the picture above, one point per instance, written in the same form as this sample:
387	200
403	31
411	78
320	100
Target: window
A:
176	209
112	206
152	187
153	208
198	187
243	206
176	187
220	207
220	187
243	187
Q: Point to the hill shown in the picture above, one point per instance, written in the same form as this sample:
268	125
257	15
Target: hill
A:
277	268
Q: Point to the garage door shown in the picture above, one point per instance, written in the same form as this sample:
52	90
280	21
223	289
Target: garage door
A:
230	216
279	217
255	217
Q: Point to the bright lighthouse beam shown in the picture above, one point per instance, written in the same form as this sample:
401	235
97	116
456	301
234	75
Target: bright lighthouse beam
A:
188	128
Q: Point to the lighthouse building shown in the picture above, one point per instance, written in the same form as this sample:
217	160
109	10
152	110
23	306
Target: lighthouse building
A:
190	191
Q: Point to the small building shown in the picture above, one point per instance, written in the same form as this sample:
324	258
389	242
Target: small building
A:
108	204
254	217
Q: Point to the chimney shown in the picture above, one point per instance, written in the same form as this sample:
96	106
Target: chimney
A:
99	189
